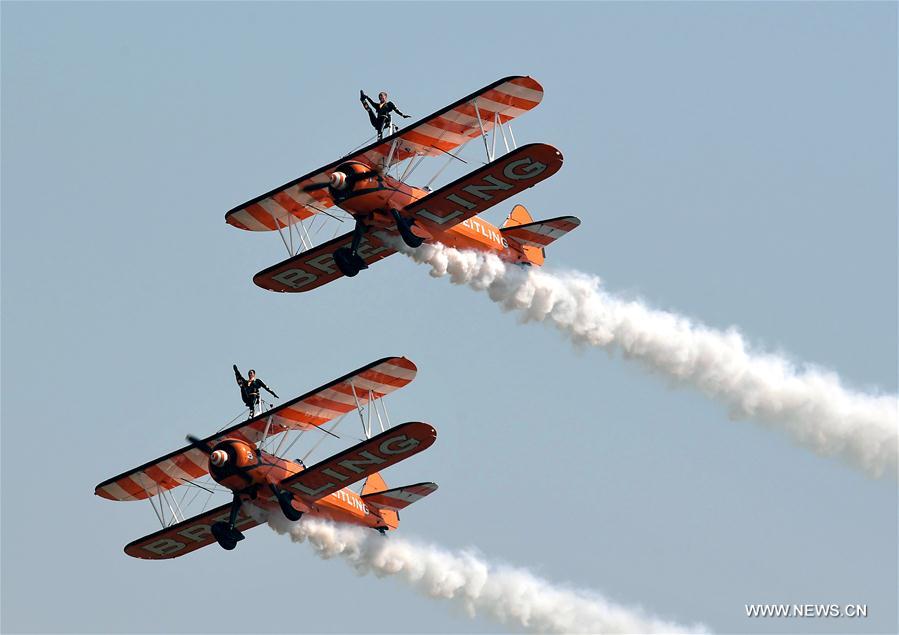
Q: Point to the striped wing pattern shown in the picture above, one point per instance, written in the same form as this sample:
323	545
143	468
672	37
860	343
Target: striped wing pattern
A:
400	497
441	132
315	408
541	233
283	207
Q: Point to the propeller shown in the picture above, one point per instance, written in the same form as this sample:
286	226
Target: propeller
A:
341	181
217	457
200	444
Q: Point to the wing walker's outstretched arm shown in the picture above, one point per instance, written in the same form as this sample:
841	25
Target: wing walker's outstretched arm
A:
270	391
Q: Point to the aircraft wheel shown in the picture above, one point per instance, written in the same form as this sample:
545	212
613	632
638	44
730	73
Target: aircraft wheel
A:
404	226
287	509
359	263
225	536
346	262
411	239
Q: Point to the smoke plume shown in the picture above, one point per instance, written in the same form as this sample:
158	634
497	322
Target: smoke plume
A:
810	404
509	595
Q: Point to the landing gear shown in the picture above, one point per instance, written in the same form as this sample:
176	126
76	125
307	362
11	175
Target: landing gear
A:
284	501
349	263
226	534
348	260
404	226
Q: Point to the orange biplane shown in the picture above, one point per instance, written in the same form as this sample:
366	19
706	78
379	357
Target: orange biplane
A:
386	209
235	458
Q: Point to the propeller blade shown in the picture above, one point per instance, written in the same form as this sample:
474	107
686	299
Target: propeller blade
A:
315	186
200	444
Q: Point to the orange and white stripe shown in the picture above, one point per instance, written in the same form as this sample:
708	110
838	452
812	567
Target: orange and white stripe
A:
313	409
400	497
541	233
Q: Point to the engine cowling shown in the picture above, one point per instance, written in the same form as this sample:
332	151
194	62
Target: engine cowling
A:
349	178
230	457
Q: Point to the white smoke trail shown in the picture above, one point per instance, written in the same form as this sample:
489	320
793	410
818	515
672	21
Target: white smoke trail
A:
511	596
810	404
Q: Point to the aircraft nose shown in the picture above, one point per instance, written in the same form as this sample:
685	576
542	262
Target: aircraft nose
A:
218	458
338	180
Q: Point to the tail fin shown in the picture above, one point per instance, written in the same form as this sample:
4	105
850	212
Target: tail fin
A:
518	216
373	485
529	237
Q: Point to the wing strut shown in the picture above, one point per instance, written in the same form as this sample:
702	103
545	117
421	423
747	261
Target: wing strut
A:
477	111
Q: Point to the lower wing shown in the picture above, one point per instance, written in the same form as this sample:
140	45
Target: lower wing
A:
356	463
316	267
186	536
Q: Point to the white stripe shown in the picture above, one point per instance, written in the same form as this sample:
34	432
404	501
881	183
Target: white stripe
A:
547	230
118	492
503	109
274	208
339	397
145	482
247	220
466	120
169	467
305	199
308	410
197	457
521	91
441	134
396	371
367	384
404	495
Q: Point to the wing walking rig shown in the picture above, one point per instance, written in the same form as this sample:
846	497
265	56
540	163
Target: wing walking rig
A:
386	209
240	460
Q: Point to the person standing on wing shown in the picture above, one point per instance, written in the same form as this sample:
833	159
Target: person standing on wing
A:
379	113
249	389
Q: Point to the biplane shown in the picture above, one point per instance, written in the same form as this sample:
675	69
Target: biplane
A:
369	185
240	461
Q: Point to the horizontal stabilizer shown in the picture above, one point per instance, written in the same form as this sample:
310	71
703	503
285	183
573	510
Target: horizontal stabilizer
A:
400	497
541	233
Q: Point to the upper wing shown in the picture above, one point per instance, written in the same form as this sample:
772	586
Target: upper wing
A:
445	130
186	536
356	463
458	123
485	187
315	267
284	205
312	409
400	497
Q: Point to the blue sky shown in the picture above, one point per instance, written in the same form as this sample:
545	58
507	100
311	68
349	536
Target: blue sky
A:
733	162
